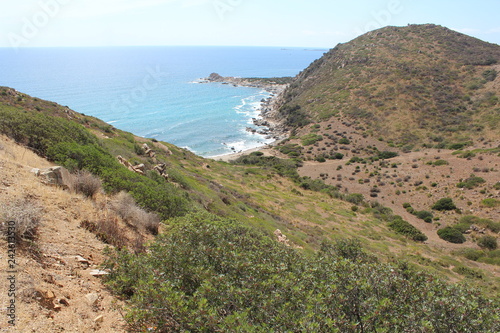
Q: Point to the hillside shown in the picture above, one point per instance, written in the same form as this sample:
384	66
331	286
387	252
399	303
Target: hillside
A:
219	232
414	86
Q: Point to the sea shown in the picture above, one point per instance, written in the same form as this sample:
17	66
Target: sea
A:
155	92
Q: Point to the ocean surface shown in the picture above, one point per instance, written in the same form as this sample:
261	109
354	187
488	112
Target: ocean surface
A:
154	91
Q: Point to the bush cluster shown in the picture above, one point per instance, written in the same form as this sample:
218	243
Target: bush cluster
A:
405	228
444	204
74	147
209	274
422	214
451	235
471	182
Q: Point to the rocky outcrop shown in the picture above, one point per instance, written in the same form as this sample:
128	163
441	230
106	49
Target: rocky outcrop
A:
281	238
140	169
148	151
162	170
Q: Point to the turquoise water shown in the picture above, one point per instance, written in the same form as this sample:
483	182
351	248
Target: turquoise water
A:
153	91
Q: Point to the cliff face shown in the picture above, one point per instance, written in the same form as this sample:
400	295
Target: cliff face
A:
421	84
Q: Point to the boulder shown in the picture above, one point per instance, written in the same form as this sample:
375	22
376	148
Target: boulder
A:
57	176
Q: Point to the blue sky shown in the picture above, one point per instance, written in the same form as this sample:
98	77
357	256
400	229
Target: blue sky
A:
302	23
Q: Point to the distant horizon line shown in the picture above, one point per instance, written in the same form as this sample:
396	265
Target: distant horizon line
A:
312	48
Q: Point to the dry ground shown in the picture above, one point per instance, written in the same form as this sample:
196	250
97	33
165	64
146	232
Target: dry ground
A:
54	290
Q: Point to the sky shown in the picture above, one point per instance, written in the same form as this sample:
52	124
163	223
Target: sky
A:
285	23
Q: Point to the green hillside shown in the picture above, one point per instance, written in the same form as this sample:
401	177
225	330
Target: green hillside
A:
420	85
341	262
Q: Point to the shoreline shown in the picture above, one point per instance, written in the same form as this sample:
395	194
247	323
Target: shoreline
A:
267	123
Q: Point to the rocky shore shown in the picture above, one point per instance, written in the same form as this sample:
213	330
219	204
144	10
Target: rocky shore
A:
268	123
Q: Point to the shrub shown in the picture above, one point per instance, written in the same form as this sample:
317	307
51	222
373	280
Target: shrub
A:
338	156
486	223
488	242
344	141
472	254
471	182
468	272
451	235
490	203
107	231
384	155
321	159
440	162
208	274
24	215
83	182
403	227
490	75
125	206
444	204
355	198
425	215
311	139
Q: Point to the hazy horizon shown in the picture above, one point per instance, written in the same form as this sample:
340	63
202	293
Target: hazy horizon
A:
293	23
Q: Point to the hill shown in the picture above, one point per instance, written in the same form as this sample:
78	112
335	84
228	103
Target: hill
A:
414	86
250	244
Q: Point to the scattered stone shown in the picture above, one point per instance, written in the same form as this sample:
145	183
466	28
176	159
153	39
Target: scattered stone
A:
97	272
99	319
82	260
281	238
92	298
63	301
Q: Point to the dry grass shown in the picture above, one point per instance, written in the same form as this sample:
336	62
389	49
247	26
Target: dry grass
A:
47	265
25	215
84	182
125	206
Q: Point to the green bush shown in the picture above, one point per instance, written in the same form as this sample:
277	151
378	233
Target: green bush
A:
444	204
355	198
403	227
39	131
311	139
451	235
344	141
490	75
485	223
488	242
472	254
471	182
384	155
490	203
208	274
439	162
468	272
425	215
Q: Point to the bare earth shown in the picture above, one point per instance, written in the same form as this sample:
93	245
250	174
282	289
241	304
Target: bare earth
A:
54	289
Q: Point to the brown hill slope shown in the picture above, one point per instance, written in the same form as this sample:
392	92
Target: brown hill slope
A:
411	86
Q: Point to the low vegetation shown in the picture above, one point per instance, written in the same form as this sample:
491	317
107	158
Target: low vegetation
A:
25	216
212	274
444	204
451	235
